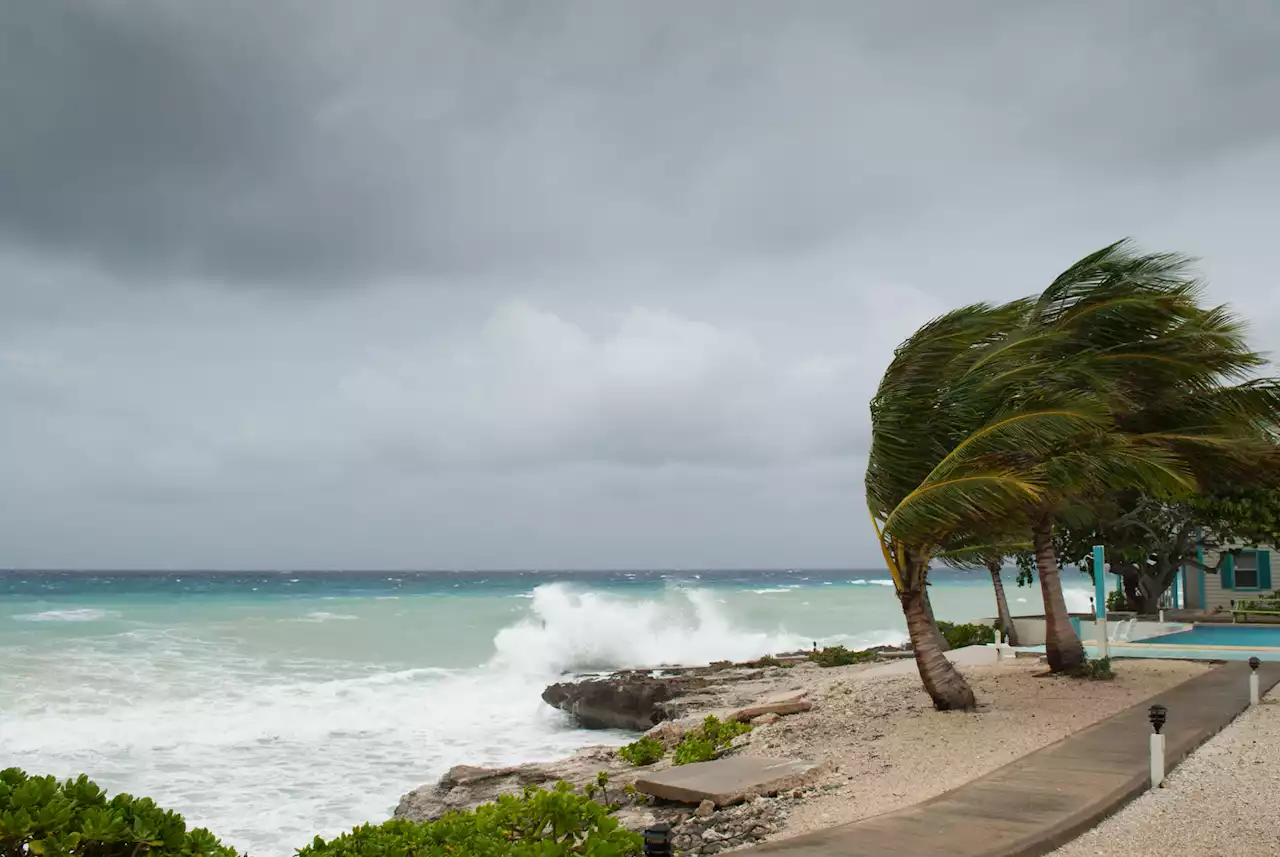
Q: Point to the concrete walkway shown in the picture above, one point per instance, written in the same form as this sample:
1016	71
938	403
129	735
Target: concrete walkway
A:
1047	798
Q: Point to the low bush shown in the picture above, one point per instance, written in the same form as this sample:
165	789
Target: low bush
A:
538	823
839	656
959	636
701	744
646	751
1117	601
44	817
1095	670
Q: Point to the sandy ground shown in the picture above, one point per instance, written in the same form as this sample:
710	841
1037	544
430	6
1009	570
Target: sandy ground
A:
1220	802
889	748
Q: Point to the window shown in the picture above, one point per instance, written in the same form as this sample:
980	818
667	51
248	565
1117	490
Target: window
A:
1247	570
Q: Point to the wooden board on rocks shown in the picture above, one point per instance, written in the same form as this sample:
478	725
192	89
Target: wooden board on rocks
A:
780	704
727	781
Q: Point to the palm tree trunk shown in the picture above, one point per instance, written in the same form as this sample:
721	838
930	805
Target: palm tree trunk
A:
1002	603
1061	642
942	681
933	621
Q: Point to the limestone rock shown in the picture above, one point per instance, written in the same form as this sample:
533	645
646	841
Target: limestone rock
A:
766	719
705	808
636	818
626	701
668	732
467	786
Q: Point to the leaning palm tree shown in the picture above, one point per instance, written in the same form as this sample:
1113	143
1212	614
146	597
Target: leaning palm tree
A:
1009	414
1172	374
931	473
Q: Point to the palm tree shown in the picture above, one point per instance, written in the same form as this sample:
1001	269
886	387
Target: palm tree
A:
995	566
989	554
1008	414
1131	328
929	475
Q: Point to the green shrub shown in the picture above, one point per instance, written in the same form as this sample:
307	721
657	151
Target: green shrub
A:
47	818
1117	601
538	823
767	661
959	636
1095	670
701	744
646	751
839	656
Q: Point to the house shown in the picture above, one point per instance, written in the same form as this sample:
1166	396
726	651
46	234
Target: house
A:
1246	574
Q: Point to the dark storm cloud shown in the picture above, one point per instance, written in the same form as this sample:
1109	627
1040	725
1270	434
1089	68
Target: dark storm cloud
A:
407	284
323	142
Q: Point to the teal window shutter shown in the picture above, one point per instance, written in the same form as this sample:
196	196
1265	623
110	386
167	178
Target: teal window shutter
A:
1228	572
1264	570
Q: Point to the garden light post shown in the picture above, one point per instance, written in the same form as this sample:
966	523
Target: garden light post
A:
1254	663
1158	714
657	841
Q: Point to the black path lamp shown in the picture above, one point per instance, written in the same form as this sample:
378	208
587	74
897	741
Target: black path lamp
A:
657	841
1158	715
1255	692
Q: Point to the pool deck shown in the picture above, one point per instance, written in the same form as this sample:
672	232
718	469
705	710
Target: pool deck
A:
1047	798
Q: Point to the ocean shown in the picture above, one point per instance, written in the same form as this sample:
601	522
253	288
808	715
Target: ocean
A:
271	707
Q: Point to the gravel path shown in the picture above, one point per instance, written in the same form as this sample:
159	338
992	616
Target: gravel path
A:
1223	801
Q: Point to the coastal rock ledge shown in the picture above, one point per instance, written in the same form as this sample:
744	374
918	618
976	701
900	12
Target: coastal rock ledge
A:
635	702
467	786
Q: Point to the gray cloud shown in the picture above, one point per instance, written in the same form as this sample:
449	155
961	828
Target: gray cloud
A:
314	142
488	284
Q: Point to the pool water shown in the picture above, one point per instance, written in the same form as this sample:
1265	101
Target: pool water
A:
1253	636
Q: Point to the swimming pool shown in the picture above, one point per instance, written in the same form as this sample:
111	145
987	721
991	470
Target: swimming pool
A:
1250	636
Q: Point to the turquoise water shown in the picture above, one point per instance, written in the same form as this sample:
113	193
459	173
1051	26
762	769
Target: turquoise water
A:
274	706
1222	635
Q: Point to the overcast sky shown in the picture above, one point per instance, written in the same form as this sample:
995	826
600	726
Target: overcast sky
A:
409	284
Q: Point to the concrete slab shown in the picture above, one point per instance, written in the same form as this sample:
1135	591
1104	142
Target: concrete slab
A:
727	781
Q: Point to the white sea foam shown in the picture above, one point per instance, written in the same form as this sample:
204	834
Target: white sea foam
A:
773	591
570	630
865	582
324	616
1078	600
80	614
312	747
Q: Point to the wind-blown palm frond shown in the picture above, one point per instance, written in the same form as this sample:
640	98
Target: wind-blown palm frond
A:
917	415
978	553
1038	433
932	512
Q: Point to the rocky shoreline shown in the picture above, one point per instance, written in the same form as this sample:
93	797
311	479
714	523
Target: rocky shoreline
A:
869	729
663	705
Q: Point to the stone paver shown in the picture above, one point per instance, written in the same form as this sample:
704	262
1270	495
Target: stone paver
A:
727	781
1047	798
